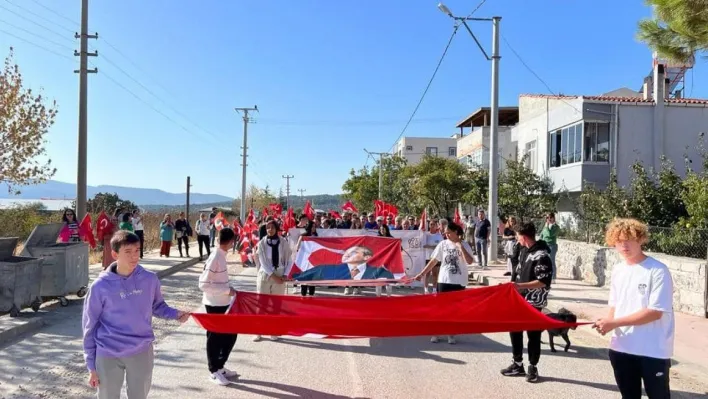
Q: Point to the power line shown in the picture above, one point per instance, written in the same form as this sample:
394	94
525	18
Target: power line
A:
36	35
36	23
41	17
286	122
477	8
427	87
37	45
55	13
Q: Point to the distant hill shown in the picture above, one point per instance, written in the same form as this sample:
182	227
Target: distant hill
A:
141	196
321	201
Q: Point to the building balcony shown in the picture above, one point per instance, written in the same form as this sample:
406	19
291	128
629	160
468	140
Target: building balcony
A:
576	176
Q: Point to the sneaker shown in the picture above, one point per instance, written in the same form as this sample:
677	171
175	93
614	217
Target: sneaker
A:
346	291
507	274
274	337
514	370
219	379
532	375
434	340
451	340
356	291
227	373
257	338
296	290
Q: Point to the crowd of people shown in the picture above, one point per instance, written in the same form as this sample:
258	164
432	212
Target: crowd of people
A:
640	316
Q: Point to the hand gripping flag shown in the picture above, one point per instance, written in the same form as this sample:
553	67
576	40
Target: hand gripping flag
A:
337	260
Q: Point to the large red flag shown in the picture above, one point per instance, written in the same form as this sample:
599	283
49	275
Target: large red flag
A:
423	221
390	209
457	219
335	214
379	208
349	207
86	231
493	309
220	221
289	222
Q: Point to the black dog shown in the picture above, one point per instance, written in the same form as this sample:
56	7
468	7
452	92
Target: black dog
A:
565	316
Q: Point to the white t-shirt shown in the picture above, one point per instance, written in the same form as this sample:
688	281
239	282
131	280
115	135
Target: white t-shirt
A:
432	240
647	285
453	268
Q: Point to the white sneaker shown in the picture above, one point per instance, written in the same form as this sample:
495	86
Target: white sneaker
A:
257	338
434	340
219	379
451	340
346	291
296	290
227	373
357	291
274	337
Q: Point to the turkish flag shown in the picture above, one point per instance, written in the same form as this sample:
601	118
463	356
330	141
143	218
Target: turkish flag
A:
457	219
423	221
379	208
103	226
86	231
308	211
335	214
349	207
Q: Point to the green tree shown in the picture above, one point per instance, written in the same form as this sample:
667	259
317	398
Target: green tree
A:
523	193
678	28
601	206
24	121
362	186
478	192
109	202
438	184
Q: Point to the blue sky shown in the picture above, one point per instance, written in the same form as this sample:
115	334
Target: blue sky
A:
330	78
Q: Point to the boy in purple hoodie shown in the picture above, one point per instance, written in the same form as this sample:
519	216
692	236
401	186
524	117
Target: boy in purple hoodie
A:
117	322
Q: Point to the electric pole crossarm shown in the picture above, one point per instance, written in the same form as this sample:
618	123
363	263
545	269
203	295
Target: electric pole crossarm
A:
287	189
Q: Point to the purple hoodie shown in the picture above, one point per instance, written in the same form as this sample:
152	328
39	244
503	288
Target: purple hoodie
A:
118	311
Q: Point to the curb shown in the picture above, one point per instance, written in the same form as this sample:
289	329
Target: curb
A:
24	326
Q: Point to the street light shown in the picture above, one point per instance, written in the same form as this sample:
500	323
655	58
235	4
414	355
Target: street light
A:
494	128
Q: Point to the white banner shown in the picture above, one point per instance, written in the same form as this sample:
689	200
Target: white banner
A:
412	241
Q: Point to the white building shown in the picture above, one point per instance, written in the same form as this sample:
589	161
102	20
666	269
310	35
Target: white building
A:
473	148
577	140
413	149
51	205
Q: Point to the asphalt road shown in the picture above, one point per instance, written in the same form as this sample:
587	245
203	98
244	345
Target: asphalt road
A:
49	364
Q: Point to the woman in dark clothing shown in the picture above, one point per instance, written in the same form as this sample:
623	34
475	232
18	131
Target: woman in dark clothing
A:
310	231
384	231
182	231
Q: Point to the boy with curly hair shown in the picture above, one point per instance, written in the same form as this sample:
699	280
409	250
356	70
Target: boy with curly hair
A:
641	315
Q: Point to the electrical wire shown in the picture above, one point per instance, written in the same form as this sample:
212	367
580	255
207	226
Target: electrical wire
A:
55	12
285	122
427	87
477	8
38	45
36	35
41	17
36	23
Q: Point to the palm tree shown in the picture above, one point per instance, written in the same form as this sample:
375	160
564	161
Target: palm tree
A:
678	29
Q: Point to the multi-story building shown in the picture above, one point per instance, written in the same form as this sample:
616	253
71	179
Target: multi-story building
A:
578	140
413	149
473	148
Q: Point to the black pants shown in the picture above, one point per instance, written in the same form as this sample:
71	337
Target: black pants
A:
631	370
445	287
203	240
184	239
141	235
304	289
533	345
218	346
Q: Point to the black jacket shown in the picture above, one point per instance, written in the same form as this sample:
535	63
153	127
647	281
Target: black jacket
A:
533	264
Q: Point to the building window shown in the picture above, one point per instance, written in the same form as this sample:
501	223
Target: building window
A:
530	152
566	146
432	151
475	158
409	148
597	142
452	152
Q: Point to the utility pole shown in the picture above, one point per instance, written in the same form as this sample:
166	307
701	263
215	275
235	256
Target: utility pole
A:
494	142
189	185
287	189
381	156
302	196
83	71
245	155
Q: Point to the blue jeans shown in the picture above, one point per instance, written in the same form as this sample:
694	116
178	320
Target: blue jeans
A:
212	236
554	251
481	245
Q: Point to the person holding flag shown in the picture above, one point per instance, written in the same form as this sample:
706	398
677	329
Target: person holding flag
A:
310	231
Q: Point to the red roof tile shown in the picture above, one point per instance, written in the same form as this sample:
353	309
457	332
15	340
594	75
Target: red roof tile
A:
698	101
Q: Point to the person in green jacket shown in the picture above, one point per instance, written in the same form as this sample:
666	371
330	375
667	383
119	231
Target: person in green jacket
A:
549	234
125	223
167	231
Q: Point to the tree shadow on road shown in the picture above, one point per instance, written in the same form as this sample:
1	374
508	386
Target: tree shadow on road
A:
613	388
289	391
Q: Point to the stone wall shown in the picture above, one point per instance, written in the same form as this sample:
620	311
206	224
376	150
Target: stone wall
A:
593	264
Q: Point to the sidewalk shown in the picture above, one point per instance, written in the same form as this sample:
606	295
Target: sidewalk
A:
28	321
590	303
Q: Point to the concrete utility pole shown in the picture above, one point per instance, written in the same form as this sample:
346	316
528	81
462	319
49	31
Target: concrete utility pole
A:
245	155
287	189
492	213
302	196
381	156
189	186
83	71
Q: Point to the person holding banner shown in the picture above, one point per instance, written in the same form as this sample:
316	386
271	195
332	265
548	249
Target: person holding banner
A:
310	231
453	255
273	258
